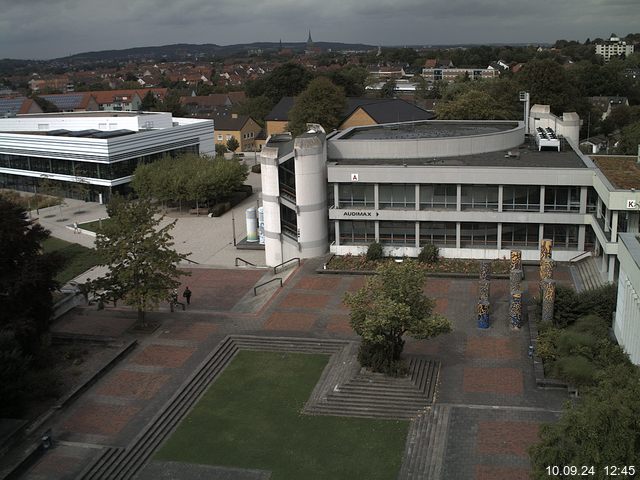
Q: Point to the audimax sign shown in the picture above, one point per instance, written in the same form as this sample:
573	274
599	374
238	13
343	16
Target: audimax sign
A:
359	213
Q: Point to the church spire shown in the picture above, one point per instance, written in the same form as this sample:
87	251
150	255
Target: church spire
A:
309	40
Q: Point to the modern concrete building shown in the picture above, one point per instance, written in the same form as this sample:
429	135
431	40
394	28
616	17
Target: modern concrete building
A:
99	150
614	47
476	189
626	325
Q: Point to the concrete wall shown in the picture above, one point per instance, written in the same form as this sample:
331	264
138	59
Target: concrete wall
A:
626	325
345	148
568	126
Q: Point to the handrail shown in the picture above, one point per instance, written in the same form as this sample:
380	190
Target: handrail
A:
586	254
255	292
285	262
245	262
189	260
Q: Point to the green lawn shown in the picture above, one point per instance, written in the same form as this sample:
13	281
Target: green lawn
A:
76	258
95	225
250	418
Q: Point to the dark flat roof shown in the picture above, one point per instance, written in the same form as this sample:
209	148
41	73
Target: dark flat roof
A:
526	156
432	129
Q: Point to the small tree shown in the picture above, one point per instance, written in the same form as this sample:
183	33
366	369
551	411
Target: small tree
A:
232	144
220	149
375	252
390	305
429	254
322	102
139	254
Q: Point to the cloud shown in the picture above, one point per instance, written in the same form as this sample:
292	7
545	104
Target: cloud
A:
51	28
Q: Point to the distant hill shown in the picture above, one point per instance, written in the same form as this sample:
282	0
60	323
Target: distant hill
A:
185	50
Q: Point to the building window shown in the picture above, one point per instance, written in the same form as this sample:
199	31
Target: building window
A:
520	235
398	233
442	234
220	138
289	222
287	179
521	197
355	195
592	200
562	199
479	235
438	197
229	137
399	196
357	232
479	197
564	237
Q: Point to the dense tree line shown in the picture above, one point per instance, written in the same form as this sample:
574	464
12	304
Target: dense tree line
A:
189	179
26	286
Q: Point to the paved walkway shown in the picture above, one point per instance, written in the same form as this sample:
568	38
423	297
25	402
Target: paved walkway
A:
486	380
208	240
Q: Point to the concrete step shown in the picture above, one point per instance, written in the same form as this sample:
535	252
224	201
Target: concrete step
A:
437	441
589	273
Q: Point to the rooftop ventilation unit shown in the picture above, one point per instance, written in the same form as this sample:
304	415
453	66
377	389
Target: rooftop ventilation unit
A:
547	138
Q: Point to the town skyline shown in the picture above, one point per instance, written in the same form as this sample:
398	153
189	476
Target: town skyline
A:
47	30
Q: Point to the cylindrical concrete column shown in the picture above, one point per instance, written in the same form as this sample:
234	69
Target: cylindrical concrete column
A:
271	205
252	224
311	194
546	269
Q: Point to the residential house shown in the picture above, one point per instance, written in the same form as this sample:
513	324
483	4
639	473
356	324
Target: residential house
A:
242	127
607	104
73	102
11	106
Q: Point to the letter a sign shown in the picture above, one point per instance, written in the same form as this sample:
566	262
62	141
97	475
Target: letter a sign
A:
354	177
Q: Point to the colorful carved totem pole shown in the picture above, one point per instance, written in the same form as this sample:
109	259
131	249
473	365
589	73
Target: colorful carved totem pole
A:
485	271
483	314
515	309
548	299
516	260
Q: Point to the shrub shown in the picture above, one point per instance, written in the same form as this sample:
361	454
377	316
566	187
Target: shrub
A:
576	370
256	168
569	305
576	343
375	252
220	208
592	324
429	254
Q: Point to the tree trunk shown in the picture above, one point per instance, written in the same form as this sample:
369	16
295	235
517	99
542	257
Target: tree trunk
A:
141	318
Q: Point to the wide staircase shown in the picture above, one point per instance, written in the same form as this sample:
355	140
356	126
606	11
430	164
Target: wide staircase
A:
426	445
587	274
116	463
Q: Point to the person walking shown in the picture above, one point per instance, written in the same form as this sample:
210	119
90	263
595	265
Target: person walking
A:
174	299
75	227
187	295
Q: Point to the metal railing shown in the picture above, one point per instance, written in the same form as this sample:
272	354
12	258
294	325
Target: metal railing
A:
255	289
296	259
581	256
246	262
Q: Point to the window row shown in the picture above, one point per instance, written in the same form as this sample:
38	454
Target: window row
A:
443	234
106	171
472	197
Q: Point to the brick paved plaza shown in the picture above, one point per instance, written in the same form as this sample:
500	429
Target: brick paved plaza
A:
486	376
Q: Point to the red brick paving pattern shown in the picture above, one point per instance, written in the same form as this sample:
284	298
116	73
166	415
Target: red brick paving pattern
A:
357	282
441	306
490	472
218	289
290	321
318	283
492	347
99	419
423	347
510	438
133	384
305	300
164	356
195	332
339	324
437	287
506	381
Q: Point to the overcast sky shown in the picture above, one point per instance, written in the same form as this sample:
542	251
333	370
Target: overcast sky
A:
43	29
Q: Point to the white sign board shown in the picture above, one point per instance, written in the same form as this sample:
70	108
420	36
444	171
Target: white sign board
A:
354	177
